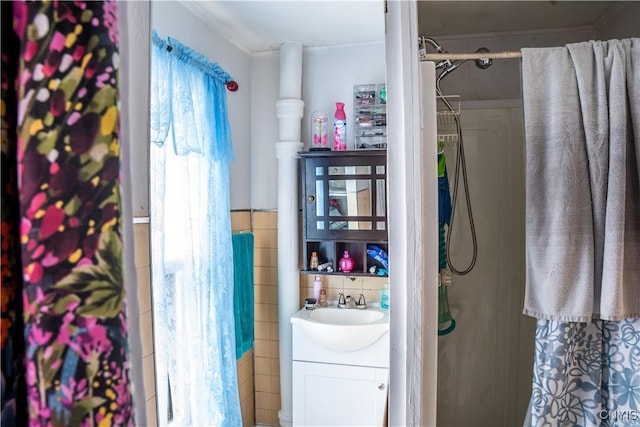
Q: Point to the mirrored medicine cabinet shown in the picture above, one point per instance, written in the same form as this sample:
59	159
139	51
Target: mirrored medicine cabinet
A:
344	206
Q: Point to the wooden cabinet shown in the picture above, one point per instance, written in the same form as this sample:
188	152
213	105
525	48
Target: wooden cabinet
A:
344	206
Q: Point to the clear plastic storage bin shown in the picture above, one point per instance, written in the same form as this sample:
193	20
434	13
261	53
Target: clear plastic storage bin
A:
370	116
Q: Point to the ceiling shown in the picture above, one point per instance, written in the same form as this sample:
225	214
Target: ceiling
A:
439	18
262	25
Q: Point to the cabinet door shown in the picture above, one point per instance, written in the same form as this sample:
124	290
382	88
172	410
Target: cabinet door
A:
345	196
338	395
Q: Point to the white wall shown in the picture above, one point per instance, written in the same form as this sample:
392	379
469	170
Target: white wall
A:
622	24
328	76
265	78
138	54
195	33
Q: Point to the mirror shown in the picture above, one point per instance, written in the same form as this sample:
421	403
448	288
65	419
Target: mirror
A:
343	197
350	197
350	170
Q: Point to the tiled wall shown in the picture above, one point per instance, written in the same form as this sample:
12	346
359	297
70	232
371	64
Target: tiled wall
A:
143	267
354	286
267	361
245	388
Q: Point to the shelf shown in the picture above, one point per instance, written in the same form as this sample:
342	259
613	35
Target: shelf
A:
332	251
339	273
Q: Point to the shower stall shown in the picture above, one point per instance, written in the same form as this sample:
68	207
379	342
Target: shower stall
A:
485	356
485	363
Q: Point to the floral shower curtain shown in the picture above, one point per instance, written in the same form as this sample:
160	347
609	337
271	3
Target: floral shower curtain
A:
64	332
191	249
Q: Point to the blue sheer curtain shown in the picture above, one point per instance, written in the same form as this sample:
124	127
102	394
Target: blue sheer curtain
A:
192	264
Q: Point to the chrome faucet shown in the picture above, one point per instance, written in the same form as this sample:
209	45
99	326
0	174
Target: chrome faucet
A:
361	303
342	302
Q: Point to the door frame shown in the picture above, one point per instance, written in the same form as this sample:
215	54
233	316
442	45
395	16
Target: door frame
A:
413	223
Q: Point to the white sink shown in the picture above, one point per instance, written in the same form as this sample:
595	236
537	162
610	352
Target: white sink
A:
341	316
342	329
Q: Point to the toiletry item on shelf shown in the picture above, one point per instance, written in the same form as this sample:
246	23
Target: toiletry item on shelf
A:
328	266
319	134
340	128
384	297
317	288
313	263
346	263
379	255
323	298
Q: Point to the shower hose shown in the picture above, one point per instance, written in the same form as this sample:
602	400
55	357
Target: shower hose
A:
461	166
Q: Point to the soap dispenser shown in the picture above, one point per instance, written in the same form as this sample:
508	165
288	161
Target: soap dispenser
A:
384	297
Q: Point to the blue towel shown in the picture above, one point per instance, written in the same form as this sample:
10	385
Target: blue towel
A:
442	248
444	209
444	197
243	291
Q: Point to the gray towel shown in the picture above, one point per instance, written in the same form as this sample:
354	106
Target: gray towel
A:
582	133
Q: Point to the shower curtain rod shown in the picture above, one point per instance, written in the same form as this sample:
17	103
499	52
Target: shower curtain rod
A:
475	55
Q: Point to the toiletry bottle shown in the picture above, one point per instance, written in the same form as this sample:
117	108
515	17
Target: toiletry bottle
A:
319	121
313	263
317	289
323	298
346	263
384	297
340	128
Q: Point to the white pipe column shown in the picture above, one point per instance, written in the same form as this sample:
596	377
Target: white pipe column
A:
289	111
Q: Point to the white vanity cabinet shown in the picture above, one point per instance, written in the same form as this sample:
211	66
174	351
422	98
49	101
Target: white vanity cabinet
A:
327	394
340	367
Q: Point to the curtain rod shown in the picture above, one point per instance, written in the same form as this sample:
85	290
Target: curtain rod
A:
478	55
197	59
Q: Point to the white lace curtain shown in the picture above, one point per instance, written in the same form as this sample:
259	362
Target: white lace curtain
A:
192	265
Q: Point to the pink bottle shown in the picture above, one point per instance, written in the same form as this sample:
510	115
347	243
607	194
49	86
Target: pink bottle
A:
340	128
346	263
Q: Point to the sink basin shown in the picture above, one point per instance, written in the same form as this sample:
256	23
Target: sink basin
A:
342	329
340	316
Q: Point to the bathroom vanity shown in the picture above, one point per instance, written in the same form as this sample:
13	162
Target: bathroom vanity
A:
344	206
341	355
340	366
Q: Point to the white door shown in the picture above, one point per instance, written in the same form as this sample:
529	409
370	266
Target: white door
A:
485	364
